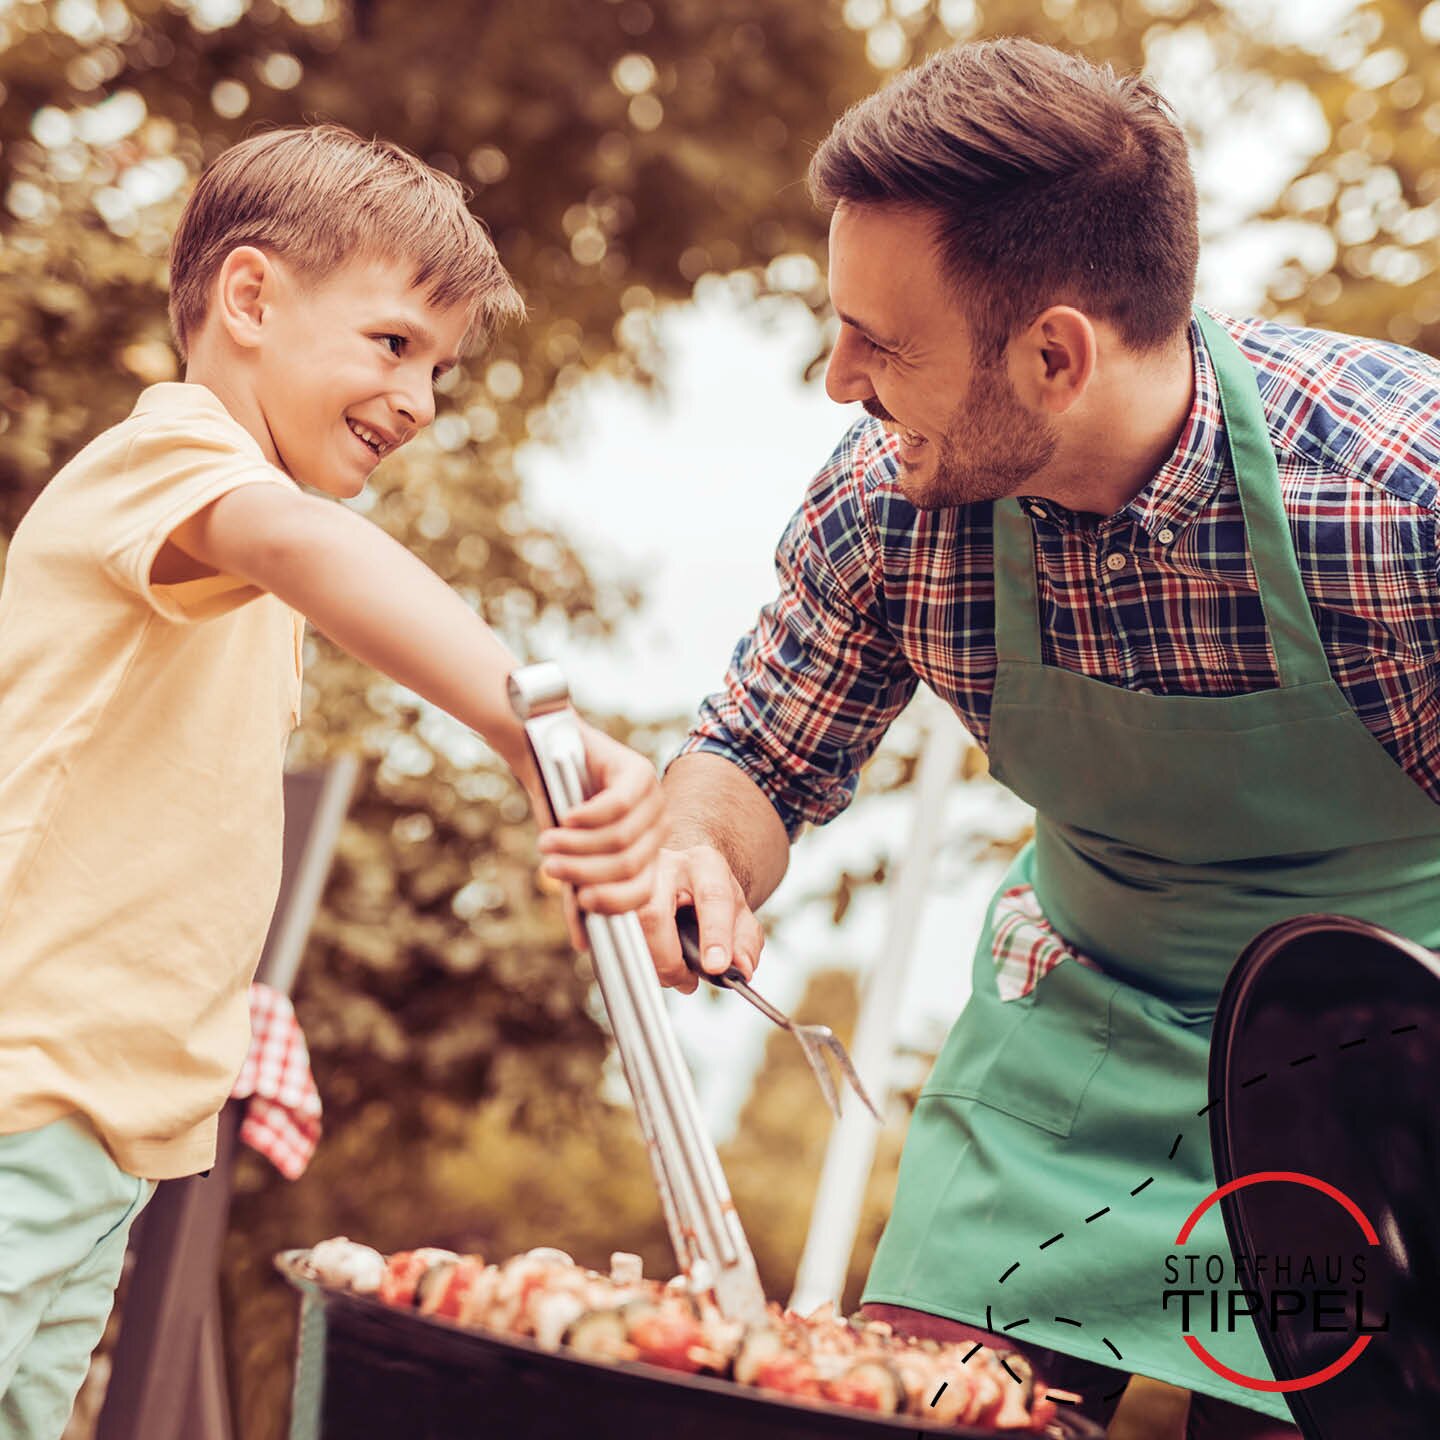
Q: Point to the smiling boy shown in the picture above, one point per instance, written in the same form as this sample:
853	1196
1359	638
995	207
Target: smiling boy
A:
150	657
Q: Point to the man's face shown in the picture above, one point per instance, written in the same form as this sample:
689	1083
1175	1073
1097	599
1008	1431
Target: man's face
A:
347	369
961	432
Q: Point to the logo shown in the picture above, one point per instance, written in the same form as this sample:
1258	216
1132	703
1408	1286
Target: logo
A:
1321	1291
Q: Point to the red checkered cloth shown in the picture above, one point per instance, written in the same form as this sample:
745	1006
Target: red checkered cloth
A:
1025	945
282	1120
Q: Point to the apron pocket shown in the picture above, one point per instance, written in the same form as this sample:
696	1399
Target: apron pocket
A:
1034	1057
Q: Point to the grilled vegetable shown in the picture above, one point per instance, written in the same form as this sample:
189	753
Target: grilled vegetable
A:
760	1345
599	1335
665	1335
403	1272
442	1288
870	1385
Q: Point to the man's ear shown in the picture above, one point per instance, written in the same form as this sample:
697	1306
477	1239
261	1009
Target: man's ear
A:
244	289
1053	359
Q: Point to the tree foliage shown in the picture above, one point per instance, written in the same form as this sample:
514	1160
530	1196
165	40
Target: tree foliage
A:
619	150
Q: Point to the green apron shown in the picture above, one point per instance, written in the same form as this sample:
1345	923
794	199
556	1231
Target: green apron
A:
1170	830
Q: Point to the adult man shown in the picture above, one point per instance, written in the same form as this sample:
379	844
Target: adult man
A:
1169	570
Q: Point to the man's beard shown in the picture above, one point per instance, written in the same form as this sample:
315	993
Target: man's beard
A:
991	446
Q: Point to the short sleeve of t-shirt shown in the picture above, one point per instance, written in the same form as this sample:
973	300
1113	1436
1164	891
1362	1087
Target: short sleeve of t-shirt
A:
184	453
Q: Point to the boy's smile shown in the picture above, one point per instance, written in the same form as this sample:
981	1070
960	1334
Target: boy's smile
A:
341	369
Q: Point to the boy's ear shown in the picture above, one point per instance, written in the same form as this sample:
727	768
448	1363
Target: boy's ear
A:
244	289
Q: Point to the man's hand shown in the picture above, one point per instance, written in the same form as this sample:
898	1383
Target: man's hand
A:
729	933
605	850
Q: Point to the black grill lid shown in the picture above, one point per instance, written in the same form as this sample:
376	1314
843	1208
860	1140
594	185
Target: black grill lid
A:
1341	1018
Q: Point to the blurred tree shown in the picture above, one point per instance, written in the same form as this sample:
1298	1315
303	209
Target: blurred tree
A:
619	149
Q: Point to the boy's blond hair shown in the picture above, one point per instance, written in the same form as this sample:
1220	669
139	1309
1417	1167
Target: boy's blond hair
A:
319	196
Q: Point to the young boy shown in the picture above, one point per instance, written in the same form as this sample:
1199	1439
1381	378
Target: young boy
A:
150	653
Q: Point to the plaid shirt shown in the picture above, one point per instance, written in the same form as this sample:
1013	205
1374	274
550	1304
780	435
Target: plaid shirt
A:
876	595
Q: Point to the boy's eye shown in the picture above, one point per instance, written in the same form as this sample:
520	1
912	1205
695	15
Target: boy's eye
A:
395	344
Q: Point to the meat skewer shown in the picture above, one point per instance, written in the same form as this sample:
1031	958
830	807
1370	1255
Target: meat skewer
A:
544	1296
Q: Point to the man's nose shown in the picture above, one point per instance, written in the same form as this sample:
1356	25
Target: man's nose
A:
846	378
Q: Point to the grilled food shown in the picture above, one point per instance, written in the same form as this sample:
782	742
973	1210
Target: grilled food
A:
544	1296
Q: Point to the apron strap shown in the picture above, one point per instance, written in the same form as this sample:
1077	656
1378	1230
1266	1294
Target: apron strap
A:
1299	654
1017	605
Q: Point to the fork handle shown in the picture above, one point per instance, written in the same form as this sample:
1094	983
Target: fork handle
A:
687	924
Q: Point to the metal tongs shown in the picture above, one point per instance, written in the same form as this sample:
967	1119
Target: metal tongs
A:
709	1241
816	1041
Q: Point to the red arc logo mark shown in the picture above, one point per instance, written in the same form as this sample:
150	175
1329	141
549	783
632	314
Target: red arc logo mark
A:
1292	1177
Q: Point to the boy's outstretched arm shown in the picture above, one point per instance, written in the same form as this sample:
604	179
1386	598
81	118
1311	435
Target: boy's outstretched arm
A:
375	599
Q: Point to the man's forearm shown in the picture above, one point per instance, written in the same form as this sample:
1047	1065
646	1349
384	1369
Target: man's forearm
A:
712	802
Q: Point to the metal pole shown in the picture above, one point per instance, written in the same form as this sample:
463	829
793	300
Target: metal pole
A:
835	1219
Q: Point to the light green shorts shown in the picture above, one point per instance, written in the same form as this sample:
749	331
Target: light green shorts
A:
65	1214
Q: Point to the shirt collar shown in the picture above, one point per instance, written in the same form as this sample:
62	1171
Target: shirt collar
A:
1185	483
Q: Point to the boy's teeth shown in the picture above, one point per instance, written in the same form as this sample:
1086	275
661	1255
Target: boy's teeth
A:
368	436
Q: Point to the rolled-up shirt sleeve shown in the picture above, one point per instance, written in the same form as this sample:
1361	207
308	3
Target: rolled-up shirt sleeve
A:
813	687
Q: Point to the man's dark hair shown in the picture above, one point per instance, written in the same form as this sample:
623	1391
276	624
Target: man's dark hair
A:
1052	181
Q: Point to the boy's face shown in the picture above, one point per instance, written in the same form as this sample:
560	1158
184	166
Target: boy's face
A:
347	366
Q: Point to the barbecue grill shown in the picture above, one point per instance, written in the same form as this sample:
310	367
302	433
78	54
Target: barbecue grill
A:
368	1371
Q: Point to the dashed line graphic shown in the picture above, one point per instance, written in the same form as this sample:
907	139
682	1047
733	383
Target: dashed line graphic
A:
1106	1209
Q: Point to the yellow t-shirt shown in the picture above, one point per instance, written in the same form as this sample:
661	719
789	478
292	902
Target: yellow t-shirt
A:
142	735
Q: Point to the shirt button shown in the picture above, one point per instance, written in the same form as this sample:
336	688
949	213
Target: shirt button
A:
1165	536
1115	561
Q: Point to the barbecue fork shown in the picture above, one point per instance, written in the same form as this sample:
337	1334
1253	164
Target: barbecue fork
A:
817	1041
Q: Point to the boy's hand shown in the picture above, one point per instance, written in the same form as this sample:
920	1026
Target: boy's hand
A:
606	848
